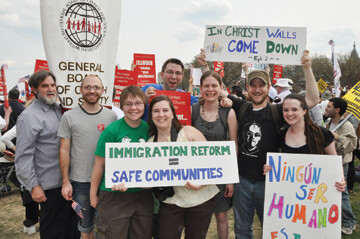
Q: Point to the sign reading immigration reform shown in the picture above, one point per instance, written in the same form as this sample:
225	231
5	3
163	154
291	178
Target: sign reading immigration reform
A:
277	45
170	163
301	200
80	38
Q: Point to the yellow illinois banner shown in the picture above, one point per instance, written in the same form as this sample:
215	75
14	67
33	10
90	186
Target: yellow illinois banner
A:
321	84
353	100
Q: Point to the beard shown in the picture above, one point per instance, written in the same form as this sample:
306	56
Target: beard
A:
46	100
258	101
93	101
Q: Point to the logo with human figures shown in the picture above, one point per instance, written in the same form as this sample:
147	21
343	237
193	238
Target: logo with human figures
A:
83	25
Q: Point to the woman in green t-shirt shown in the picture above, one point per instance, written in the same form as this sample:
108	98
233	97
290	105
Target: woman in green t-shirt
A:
123	213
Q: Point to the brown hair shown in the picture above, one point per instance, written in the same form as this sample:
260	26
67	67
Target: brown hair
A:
314	137
38	77
173	61
208	74
175	122
132	91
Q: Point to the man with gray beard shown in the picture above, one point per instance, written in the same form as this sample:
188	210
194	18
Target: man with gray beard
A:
37	159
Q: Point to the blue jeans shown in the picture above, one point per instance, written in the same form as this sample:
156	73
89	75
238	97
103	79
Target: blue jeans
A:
347	217
81	194
248	197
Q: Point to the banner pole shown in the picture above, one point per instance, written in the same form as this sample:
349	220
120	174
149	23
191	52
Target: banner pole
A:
3	79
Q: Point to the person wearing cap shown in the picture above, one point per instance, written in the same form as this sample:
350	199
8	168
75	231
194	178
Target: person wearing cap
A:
282	88
249	193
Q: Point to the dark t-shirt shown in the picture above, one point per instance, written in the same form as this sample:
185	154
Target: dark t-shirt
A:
256	136
17	108
328	136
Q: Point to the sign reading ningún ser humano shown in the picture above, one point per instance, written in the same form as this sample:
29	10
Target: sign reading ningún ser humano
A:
301	200
170	163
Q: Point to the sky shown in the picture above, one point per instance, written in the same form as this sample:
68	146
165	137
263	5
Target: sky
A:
169	28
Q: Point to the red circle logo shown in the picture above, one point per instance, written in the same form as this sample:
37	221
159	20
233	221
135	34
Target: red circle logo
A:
101	127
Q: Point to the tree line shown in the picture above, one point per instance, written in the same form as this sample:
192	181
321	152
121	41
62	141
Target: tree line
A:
321	65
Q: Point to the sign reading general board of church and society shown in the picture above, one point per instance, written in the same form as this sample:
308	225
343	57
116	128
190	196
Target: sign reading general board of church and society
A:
254	44
80	38
170	163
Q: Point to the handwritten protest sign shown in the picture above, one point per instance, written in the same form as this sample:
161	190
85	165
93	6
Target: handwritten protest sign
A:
251	67
41	65
353	100
182	103
170	163
301	200
277	45
80	38
145	68
123	78
321	84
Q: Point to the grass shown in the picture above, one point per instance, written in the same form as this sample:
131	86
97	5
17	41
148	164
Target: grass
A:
12	214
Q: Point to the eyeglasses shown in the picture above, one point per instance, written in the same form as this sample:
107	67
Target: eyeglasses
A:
177	73
88	87
137	104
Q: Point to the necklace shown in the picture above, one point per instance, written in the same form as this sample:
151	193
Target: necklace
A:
217	112
208	128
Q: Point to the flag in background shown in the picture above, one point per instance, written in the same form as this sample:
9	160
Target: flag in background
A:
77	208
24	79
336	69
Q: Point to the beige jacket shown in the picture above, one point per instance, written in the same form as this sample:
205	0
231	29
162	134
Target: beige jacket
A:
346	142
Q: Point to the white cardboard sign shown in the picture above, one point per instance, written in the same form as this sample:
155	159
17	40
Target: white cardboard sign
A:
255	44
301	200
170	163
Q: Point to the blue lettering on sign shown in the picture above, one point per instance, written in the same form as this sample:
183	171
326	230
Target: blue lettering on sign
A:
116	179
127	177
302	187
281	34
243	46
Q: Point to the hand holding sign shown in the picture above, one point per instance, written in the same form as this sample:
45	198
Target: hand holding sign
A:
119	187
340	186
193	187
150	92
306	60
201	58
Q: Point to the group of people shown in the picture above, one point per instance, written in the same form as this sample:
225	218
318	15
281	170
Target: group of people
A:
60	158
